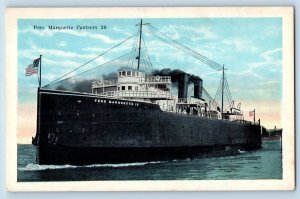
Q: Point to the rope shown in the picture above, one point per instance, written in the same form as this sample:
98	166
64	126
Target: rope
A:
89	61
93	68
193	53
214	103
134	49
151	68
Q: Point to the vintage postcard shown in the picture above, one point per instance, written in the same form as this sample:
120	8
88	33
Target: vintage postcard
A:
150	99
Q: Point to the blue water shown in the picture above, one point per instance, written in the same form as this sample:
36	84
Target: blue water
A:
265	163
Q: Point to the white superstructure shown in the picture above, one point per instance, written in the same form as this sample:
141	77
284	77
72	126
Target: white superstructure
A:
134	84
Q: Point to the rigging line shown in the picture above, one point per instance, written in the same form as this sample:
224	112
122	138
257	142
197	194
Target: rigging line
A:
228	107
174	45
134	52
133	47
229	93
151	67
229	96
219	66
211	99
147	61
193	55
94	67
228	90
228	87
196	56
217	95
90	60
207	94
187	48
213	102
142	61
135	55
219	89
229	101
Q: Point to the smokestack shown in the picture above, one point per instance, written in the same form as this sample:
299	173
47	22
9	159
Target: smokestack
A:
198	83
183	86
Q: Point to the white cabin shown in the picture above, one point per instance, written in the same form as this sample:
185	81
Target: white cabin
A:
135	85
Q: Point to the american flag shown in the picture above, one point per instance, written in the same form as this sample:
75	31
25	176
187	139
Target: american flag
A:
33	68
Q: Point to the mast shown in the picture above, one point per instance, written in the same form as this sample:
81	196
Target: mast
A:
254	116
35	139
222	92
139	56
40	72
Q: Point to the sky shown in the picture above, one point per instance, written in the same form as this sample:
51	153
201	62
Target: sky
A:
249	48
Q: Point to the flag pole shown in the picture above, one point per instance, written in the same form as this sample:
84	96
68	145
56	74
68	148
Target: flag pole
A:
254	116
40	72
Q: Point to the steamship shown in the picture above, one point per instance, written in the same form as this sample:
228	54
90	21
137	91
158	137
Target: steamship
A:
136	117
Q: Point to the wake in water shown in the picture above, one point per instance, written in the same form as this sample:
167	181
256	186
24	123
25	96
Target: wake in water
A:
241	151
37	167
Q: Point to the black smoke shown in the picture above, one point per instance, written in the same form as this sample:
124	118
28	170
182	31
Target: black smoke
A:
108	76
81	85
175	74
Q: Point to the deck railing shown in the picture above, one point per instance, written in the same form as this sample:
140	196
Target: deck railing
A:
104	83
138	94
156	79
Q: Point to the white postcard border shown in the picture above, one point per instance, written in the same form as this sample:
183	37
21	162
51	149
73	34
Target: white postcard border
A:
286	13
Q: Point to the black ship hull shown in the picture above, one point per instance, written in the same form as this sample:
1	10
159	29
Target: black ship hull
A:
80	129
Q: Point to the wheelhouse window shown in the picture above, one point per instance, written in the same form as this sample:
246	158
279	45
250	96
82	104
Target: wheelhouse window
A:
136	88
120	73
129	88
128	73
123	73
123	88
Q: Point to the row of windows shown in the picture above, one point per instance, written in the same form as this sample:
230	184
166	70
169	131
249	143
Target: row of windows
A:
129	88
124	103
129	73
